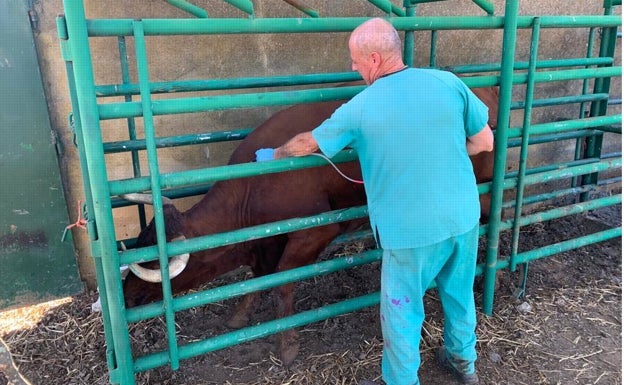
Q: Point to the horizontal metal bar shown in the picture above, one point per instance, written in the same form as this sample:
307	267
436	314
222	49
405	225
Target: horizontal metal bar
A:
255	284
213	174
560	101
486	5
532	199
244	5
250	100
303	8
387	7
522	65
560	212
547	138
281	227
227	102
603	182
571	244
293	80
216	26
574	74
227	84
615	128
562	171
546	251
180	140
192	245
258	331
188	7
568	125
213	137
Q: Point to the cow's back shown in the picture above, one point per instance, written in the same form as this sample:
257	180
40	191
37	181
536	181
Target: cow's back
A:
282	126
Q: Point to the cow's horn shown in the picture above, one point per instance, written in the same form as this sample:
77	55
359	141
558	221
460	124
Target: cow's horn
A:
177	264
146	199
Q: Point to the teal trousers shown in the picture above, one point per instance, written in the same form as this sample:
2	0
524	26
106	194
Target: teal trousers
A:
405	276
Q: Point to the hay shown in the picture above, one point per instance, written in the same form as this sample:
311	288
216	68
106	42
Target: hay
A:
570	333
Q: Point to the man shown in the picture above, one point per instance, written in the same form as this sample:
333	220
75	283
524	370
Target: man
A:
413	130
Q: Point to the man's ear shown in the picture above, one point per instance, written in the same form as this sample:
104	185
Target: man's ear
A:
376	58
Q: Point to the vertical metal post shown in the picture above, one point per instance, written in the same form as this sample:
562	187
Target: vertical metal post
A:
500	152
593	144
524	150
104	246
433	48
579	142
125	77
152	157
408	48
71	80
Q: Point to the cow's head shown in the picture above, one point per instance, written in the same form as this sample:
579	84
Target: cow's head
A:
140	287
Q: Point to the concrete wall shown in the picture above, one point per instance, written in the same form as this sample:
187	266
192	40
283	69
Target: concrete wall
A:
197	57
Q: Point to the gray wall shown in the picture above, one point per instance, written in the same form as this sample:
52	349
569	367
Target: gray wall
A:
201	57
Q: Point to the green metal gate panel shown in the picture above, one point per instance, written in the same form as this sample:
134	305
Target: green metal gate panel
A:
35	264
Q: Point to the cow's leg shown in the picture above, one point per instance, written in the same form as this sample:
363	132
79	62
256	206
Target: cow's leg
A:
243	311
265	261
302	249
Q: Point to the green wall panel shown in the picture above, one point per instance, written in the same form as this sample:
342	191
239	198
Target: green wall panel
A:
34	264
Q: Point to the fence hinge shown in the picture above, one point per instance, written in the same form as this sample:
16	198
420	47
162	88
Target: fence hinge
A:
63	35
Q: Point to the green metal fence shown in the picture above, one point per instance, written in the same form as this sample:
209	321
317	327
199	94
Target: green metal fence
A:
89	110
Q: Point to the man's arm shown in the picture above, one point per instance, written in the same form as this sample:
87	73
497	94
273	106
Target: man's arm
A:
300	145
483	141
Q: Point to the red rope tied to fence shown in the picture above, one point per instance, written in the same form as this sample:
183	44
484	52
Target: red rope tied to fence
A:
80	222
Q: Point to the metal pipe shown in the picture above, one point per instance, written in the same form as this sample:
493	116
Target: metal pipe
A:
485	5
155	187
225	102
237	289
210	241
433	48
228	84
569	125
91	232
303	8
387	7
559	101
213	174
261	330
178	140
296	80
537	198
539	139
188	7
116	27
408	41
559	247
524	148
244	5
136	164
576	243
500	153
249	100
104	247
541	64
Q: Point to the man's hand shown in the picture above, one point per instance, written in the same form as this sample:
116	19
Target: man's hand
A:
300	145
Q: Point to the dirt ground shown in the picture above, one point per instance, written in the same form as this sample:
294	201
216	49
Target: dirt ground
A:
567	330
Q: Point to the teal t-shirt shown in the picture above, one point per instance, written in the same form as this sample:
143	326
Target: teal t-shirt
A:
409	130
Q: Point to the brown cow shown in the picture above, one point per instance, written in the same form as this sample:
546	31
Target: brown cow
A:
240	203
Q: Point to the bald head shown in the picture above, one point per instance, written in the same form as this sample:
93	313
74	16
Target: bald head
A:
377	35
375	48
